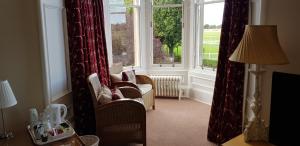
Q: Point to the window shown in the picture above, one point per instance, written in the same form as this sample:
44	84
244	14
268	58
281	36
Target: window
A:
124	16
209	14
167	31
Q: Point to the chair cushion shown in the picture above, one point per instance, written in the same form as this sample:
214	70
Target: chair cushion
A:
116	94
116	77
144	88
116	68
129	75
105	95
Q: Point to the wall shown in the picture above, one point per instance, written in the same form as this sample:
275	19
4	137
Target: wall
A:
20	59
285	14
201	85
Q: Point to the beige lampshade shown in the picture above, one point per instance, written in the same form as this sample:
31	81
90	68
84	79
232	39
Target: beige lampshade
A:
259	45
7	97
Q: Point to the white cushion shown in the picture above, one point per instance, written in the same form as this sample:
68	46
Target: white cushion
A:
144	88
104	95
116	77
129	75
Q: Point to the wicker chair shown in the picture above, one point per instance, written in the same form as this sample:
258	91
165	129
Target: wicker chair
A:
144	84
121	121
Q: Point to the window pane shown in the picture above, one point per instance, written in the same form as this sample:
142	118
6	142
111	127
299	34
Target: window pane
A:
162	2
213	14
125	35
124	2
167	35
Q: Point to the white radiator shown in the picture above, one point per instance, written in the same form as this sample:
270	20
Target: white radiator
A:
167	85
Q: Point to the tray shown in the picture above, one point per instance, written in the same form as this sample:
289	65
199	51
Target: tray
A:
68	132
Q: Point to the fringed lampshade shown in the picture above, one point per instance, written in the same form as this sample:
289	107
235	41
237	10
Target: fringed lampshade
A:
259	45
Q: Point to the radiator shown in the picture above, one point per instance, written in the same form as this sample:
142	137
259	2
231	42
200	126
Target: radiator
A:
167	85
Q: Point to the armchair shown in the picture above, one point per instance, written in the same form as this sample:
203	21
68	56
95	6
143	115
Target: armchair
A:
120	121
143	83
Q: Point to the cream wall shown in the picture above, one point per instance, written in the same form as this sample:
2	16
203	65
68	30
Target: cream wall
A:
285	14
20	58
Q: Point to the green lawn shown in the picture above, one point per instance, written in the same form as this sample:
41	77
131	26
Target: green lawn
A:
211	40
211	34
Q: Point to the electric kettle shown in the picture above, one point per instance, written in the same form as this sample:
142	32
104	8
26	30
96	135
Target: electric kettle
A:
56	113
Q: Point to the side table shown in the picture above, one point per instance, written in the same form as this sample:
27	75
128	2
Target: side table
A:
239	141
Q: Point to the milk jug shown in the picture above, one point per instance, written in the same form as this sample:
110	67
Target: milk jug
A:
57	113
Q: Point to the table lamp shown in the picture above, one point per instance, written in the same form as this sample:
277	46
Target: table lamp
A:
7	99
259	46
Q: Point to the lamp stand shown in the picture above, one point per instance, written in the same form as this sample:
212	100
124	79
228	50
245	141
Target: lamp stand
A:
256	130
5	134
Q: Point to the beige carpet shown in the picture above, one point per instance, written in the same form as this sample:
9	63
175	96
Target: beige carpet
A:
178	123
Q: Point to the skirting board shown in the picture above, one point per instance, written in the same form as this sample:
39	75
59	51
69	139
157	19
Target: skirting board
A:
201	96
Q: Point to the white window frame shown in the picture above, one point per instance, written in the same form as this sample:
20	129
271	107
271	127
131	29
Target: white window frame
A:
198	35
150	27
138	59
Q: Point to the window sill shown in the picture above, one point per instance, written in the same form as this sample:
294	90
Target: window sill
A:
207	73
168	68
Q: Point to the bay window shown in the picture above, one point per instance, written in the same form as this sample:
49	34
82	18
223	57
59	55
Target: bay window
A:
131	34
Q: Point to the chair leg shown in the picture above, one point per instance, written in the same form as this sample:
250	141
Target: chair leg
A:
153	106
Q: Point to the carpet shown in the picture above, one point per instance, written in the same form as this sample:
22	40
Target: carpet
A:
178	123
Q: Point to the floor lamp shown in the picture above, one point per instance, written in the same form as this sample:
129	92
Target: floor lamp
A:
259	46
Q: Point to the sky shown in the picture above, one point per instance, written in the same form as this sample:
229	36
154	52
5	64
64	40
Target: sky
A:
213	13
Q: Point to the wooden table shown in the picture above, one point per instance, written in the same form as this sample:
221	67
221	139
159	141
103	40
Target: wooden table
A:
239	141
23	139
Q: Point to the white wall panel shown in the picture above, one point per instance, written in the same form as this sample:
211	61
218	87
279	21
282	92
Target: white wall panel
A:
54	49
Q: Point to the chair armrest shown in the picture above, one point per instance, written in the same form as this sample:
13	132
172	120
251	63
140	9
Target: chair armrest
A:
122	111
130	92
144	79
124	83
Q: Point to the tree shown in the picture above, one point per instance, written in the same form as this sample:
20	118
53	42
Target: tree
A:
167	24
206	26
129	9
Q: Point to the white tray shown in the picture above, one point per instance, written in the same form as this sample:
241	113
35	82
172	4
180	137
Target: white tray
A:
68	133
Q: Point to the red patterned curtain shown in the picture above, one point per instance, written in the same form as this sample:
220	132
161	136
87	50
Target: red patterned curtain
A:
88	54
226	111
